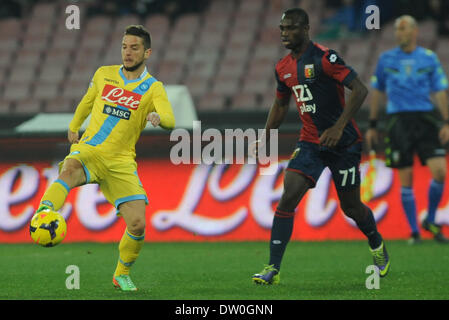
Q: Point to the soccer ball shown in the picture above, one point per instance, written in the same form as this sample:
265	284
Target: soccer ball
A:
48	228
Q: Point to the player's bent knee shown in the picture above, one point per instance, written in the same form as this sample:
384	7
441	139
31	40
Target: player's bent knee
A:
289	200
350	212
287	204
73	173
136	227
133	213
353	210
440	175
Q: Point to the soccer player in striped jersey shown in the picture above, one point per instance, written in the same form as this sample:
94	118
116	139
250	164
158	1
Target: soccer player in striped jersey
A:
316	77
121	100
409	75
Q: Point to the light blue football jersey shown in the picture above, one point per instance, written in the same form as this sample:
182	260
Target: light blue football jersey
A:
408	79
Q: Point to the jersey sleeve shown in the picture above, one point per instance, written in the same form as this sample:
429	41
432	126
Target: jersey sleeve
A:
162	106
336	68
378	78
438	79
84	108
282	90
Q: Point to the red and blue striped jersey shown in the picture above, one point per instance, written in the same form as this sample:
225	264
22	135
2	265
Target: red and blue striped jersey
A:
317	80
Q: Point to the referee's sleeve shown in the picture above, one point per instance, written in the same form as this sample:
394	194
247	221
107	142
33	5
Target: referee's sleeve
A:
439	80
378	78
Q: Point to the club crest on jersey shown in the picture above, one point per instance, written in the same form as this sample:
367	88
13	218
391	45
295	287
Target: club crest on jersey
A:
144	86
408	69
120	96
295	153
309	71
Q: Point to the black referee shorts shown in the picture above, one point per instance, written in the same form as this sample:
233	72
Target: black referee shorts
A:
409	133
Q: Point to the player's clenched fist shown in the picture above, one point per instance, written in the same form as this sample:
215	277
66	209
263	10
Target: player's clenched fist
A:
154	118
331	136
73	137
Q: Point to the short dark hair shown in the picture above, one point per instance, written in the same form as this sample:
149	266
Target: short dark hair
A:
298	14
140	31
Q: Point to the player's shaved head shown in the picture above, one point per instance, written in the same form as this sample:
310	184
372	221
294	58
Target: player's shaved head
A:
406	20
298	15
406	31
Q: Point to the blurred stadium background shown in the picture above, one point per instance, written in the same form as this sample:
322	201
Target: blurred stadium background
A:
223	51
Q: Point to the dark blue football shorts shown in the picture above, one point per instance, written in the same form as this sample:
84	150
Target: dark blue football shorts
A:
310	159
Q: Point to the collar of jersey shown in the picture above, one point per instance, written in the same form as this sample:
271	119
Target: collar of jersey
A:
305	53
126	81
408	54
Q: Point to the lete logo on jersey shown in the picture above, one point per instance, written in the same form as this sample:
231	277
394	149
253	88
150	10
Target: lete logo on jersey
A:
120	96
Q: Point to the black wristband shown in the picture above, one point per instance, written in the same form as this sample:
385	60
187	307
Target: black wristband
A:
373	124
446	121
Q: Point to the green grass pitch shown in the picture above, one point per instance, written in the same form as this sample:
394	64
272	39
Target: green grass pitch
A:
222	271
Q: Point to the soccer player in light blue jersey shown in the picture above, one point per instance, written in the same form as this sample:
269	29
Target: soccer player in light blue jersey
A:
409	75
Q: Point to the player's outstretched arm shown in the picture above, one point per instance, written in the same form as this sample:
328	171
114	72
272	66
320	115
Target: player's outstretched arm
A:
332	135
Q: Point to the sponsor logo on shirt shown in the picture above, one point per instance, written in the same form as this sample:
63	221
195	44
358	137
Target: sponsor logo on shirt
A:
308	108
333	58
295	153
120	96
302	93
111	80
116	112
